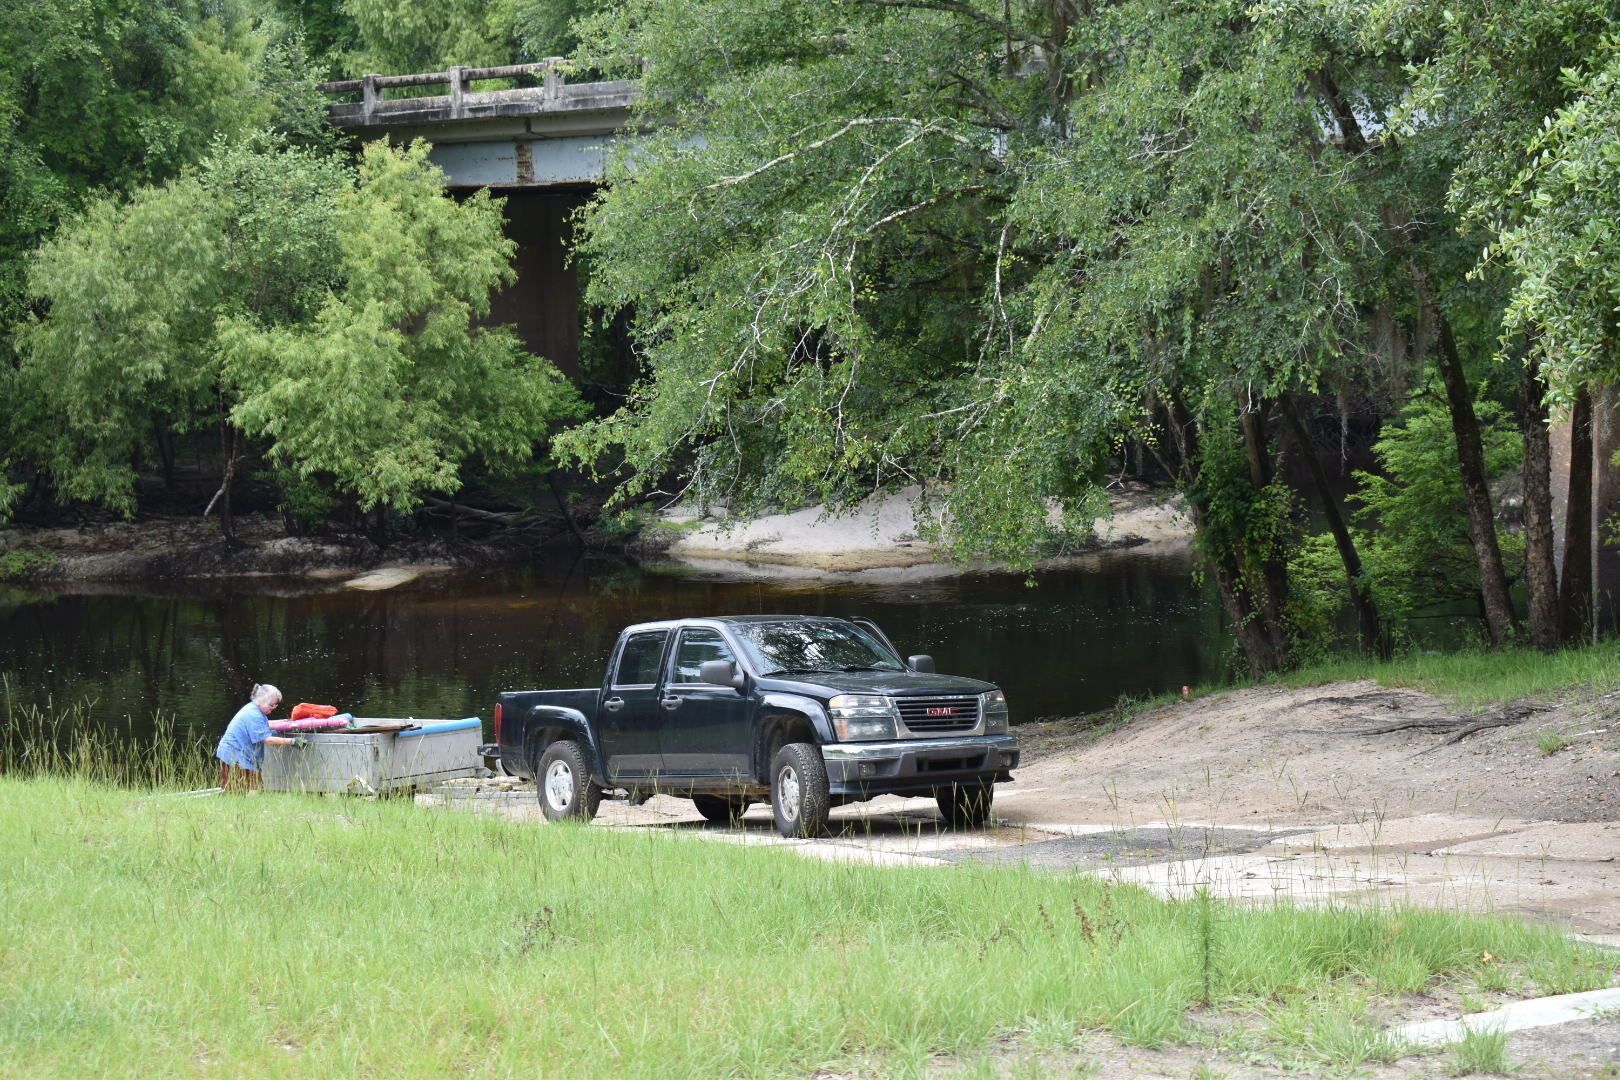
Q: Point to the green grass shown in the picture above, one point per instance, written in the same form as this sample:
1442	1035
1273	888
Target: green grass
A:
1550	742
281	935
65	741
1482	1050
1477	677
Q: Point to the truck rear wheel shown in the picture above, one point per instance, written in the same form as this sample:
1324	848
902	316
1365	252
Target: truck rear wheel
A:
965	806
799	797
564	784
720	809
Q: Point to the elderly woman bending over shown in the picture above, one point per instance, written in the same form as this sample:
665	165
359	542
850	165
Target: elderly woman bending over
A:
241	751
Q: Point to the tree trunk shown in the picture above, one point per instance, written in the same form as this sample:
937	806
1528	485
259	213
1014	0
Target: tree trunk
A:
230	445
165	448
1370	628
1273	566
1499	616
1575	584
1540	569
562	505
1257	635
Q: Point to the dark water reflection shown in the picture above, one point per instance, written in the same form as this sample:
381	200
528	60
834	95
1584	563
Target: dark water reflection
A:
445	645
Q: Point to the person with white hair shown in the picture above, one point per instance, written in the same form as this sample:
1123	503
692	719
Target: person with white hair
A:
241	750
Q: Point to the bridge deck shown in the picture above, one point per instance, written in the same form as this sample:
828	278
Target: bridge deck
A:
554	96
550	135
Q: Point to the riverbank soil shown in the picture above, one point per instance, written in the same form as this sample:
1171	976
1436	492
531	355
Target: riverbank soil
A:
1350	793
163	548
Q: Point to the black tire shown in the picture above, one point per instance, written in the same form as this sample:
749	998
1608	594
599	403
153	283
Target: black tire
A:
563	782
965	806
720	809
799	798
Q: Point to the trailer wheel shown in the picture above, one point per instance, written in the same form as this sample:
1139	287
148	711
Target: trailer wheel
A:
799	797
720	809
564	784
965	806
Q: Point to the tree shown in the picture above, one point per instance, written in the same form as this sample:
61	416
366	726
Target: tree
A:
1410	521
127	353
394	38
391	386
1488	76
274	293
978	245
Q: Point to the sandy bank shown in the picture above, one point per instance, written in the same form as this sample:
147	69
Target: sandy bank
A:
882	540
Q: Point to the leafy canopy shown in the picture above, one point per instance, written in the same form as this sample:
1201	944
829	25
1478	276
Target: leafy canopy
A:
331	312
391	386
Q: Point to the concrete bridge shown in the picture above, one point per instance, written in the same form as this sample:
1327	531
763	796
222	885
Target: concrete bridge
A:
543	147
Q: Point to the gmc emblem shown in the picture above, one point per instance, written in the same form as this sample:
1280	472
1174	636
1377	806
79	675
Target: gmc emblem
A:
941	710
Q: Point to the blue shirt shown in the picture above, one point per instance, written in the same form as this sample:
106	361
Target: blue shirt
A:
243	744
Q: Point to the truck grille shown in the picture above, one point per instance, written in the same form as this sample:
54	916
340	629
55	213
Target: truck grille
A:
938	715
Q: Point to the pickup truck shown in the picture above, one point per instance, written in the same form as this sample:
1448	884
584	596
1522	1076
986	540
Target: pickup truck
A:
808	712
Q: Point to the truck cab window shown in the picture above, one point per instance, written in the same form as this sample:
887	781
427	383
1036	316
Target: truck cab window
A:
638	663
695	648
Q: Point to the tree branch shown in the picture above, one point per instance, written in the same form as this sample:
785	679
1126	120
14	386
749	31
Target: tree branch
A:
952	7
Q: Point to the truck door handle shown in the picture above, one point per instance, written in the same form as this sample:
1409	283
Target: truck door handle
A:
671	702
613	704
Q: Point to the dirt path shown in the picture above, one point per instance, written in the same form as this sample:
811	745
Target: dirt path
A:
1356	804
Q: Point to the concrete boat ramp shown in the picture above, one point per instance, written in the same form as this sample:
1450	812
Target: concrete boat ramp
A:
1559	872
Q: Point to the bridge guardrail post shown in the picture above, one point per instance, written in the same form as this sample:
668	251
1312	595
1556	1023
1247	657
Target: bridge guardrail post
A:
369	95
458	90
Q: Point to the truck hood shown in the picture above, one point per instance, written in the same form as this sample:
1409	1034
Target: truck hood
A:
893	683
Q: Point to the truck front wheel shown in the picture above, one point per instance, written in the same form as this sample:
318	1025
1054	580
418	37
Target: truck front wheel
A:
965	806
565	784
799	798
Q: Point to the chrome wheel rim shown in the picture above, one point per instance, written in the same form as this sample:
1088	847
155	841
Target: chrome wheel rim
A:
787	786
559	785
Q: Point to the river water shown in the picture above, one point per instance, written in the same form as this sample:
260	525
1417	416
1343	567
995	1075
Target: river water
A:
444	645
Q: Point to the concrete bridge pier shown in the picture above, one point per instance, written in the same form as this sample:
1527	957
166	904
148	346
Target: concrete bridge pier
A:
542	148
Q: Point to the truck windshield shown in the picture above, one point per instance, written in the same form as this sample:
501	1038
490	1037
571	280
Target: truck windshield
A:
806	645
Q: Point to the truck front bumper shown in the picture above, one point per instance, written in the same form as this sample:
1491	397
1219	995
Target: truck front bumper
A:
918	765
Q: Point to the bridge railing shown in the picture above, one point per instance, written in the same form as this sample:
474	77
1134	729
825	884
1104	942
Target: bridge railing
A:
554	94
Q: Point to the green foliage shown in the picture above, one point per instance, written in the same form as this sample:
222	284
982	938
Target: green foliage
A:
102	99
133	290
897	254
108	96
811	282
1565	247
24	562
389	386
1409	523
391	38
271	290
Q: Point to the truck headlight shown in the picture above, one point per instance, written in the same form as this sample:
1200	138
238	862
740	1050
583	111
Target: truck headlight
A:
994	707
862	716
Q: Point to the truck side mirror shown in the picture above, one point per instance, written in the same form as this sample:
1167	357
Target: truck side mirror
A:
721	673
922	664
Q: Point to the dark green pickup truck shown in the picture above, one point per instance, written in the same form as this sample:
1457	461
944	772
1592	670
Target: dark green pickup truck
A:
808	712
